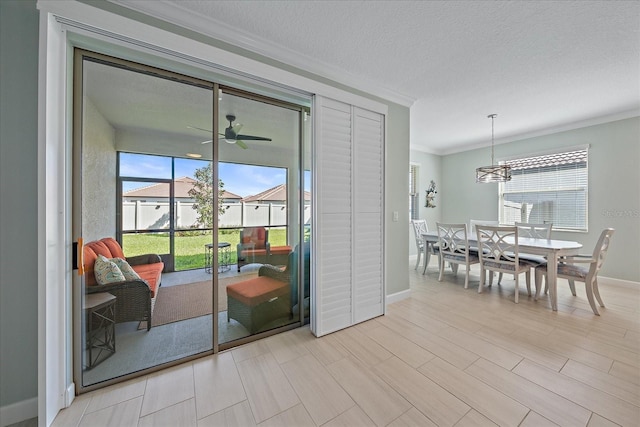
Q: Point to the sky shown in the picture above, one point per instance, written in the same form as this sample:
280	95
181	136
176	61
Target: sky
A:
240	179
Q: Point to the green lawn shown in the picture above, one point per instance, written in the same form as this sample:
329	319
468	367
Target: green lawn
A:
190	249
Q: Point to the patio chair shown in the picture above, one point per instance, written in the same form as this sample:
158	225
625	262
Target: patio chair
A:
567	269
254	246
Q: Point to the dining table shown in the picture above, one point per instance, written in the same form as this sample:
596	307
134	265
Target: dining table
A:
552	250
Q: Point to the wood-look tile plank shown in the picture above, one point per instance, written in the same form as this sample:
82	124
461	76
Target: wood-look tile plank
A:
431	342
406	350
267	387
521	347
376	398
296	416
603	381
412	418
123	414
626	372
536	420
439	405
247	351
285	347
105	397
546	403
363	348
181	414
354	417
474	418
217	384
321	395
238	415
168	387
72	415
327	349
491	403
602	403
607	350
489	351
568	349
598	421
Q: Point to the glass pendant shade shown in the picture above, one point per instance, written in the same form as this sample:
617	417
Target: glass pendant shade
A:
493	173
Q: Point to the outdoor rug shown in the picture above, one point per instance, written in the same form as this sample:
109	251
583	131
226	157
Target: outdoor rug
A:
181	302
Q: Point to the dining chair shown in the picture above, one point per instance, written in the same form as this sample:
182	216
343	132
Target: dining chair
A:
567	269
454	248
419	227
474	222
499	252
534	231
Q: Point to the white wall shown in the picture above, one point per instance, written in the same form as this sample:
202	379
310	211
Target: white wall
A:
614	188
98	175
429	168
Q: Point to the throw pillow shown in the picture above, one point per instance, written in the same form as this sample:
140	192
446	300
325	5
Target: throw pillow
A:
128	271
106	271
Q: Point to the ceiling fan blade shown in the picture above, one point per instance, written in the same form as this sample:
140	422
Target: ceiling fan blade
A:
197	128
253	138
207	141
241	144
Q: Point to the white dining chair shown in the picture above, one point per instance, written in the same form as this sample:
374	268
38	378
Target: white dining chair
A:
474	222
568	269
453	245
419	227
534	231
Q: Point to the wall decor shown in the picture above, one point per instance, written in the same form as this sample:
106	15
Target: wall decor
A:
431	194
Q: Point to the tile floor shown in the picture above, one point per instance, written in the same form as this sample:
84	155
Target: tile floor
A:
447	356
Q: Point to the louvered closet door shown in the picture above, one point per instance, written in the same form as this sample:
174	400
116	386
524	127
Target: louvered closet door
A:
334	229
349	166
368	262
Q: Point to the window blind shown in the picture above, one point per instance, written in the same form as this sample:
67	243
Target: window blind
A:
547	188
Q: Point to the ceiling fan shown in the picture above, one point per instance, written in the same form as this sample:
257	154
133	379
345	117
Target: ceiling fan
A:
231	134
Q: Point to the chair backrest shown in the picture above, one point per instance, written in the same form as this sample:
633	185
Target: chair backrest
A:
600	251
419	227
474	222
452	239
258	236
498	245
534	231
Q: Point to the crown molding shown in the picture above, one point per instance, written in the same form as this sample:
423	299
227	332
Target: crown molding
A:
176	14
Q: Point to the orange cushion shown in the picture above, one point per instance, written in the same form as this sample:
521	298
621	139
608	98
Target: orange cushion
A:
253	252
258	290
280	250
114	247
150	273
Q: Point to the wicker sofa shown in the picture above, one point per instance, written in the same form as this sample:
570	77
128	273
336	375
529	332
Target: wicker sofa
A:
134	298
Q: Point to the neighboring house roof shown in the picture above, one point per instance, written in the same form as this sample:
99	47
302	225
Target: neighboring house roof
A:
275	194
181	190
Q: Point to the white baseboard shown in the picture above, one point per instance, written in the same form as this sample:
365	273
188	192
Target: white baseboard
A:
618	282
398	296
19	411
70	394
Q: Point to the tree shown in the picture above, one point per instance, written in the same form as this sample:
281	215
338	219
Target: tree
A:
202	192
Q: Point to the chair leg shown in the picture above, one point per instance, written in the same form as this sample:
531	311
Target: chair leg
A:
572	286
528	280
517	290
418	260
441	269
596	292
490	277
466	278
538	280
454	268
481	284
592	302
499	277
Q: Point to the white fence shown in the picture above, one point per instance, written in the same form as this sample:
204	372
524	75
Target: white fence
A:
155	215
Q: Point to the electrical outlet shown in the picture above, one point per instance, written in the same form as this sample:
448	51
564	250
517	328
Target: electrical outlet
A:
395	216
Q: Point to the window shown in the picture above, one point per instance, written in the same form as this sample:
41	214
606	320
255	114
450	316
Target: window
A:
414	207
547	188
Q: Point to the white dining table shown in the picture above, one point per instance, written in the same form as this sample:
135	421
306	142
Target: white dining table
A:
551	249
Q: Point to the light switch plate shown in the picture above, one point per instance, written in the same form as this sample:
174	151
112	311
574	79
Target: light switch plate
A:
395	216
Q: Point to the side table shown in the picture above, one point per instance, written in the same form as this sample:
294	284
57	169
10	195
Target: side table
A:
100	320
224	257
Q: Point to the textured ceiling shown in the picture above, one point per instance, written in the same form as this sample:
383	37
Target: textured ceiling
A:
540	65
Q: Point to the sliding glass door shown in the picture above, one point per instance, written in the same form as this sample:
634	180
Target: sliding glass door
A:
190	204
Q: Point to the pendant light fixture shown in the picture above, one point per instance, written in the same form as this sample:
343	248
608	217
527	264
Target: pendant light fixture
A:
493	173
